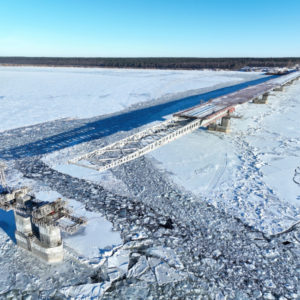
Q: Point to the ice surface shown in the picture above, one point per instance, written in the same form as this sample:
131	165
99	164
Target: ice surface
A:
250	172
117	264
31	95
97	236
204	250
165	274
139	268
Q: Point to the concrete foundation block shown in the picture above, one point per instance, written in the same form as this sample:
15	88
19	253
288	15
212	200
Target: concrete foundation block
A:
50	255
263	100
32	244
225	122
23	241
218	128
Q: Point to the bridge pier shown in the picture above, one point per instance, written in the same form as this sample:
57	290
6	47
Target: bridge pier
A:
279	89
262	100
223	127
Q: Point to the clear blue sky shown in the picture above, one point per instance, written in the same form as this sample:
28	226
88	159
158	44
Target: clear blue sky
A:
197	28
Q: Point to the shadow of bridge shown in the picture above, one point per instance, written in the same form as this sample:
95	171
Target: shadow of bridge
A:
104	127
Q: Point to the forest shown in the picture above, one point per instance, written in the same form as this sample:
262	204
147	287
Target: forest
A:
153	62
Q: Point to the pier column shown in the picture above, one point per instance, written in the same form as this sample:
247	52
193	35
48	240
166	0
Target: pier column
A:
223	127
265	97
225	122
49	235
23	231
279	89
49	245
262	100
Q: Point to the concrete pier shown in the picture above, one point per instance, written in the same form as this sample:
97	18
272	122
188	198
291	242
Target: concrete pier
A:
37	223
49	235
279	89
50	255
23	224
223	127
43	241
262	100
30	242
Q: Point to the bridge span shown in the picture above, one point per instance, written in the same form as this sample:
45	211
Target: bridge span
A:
207	114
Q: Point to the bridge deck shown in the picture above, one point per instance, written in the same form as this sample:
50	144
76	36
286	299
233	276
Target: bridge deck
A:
182	123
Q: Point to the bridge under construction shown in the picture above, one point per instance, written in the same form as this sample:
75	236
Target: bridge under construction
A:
214	114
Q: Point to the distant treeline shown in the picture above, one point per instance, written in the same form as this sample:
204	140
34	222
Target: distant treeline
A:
153	62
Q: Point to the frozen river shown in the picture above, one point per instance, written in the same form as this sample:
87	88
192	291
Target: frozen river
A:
180	226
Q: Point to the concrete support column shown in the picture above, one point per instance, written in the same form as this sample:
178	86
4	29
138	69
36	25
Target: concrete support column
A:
49	246
224	127
265	97
212	126
49	235
262	100
23	224
279	89
225	122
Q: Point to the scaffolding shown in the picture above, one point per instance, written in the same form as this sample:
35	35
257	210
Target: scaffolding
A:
50	214
136	145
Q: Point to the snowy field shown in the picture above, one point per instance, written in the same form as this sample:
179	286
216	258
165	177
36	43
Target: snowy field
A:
32	95
251	172
151	228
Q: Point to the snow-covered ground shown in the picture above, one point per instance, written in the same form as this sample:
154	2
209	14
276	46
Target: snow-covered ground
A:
251	172
32	95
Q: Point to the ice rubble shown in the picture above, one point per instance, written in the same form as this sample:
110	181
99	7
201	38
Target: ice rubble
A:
214	247
149	269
